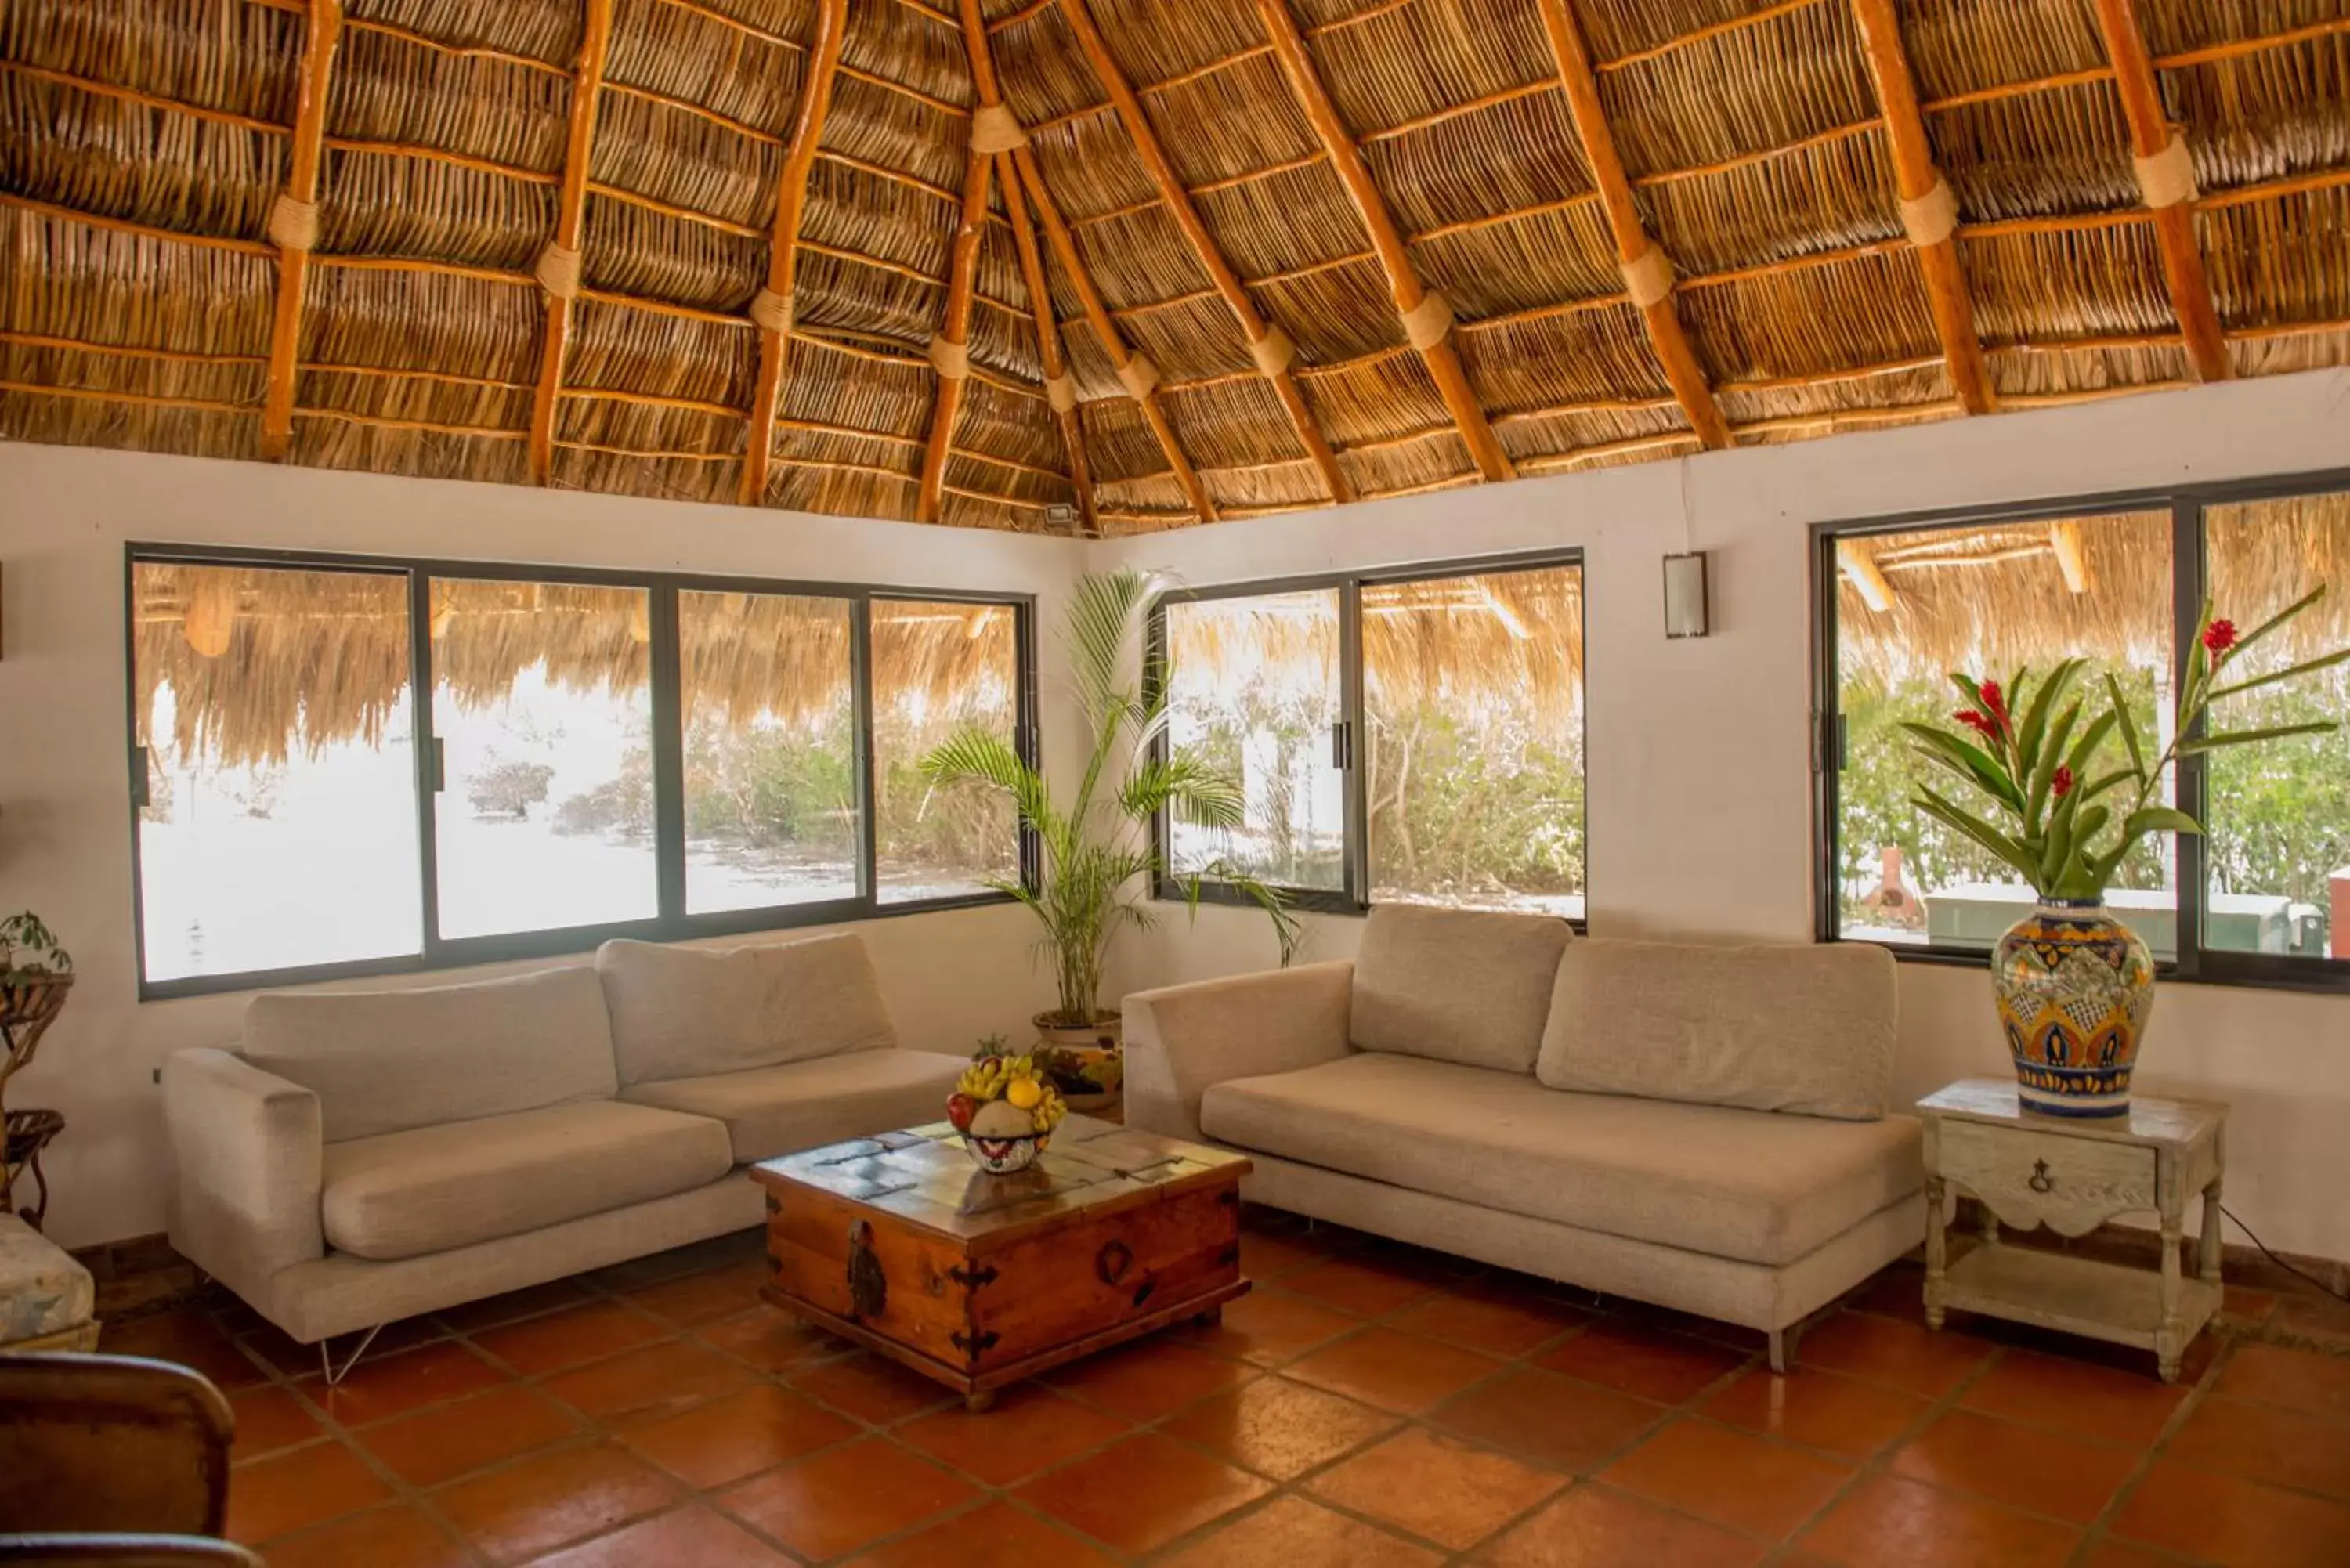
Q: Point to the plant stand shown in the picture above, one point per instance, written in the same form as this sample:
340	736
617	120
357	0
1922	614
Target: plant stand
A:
27	1007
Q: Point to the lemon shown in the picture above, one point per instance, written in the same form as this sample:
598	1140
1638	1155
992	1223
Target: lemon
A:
1024	1093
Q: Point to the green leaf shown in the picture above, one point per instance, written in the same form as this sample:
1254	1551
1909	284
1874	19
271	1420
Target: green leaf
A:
2281	618
2128	726
2158	819
1974	827
2051	751
2247	737
2307	666
2035	717
1988	774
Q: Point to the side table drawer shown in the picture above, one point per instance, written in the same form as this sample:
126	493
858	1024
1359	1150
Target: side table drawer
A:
2030	1177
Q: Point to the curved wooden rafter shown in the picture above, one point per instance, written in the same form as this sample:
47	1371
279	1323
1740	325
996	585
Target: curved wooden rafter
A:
293	221
791	198
1651	282
1268	346
558	265
951	352
2167	182
1928	210
1427	318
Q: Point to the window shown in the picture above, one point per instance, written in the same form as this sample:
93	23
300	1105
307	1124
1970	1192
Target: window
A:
2121	584
1412	738
939	669
352	767
276	739
772	807
542	708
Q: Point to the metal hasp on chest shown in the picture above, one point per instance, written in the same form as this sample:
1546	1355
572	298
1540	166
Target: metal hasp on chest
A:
2071	1175
899	1243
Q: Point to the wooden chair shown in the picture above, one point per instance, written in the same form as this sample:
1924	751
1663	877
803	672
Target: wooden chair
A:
108	1444
122	1552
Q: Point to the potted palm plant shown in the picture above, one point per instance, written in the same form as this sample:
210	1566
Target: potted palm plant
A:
2076	986
1100	852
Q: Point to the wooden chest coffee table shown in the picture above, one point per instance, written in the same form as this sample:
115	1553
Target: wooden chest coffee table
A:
901	1243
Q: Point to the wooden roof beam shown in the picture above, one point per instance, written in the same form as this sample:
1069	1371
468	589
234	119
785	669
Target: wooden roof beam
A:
1138	375
1059	389
1647	271
1860	569
2166	177
949	350
1268	346
293	221
1427	317
771	308
558	263
1929	213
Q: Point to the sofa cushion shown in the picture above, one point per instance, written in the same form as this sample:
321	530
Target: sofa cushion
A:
1804	1029
432	1189
384	1061
1460	986
1734	1184
770	1111
686	1012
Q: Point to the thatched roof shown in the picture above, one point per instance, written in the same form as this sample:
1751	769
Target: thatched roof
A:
263	661
1983	600
1252	255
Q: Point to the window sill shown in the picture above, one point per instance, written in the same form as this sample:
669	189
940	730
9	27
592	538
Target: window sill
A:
2242	971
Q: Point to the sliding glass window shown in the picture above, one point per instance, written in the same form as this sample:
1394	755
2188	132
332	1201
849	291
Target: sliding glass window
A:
365	766
1397	739
2264	897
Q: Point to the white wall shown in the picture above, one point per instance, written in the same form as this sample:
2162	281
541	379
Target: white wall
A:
1700	789
64	824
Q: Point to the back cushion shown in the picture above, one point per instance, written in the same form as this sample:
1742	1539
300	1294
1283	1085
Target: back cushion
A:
384	1061
1460	985
1803	1029
687	1013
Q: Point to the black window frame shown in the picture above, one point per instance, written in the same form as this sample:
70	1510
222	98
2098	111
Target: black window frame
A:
2195	963
665	682
1356	855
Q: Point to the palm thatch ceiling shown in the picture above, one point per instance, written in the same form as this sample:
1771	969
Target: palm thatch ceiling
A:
1122	265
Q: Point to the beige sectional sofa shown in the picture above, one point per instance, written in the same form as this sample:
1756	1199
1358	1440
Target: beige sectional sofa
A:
1700	1128
368	1154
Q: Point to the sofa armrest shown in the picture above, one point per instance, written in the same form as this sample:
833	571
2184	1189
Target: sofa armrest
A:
1182	1041
251	1155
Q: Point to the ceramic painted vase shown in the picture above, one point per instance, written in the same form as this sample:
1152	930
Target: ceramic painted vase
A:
2075	986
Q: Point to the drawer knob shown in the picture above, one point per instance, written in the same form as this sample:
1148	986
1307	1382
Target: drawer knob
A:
2040	1180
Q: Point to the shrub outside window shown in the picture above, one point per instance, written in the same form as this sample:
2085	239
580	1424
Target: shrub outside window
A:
593	754
1414	738
2264	896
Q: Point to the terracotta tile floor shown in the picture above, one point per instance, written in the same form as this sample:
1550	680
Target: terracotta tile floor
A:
1368	1407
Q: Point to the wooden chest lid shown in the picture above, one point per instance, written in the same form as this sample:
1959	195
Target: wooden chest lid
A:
923	1178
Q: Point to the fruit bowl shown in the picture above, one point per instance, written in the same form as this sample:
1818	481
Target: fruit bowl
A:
1006	1108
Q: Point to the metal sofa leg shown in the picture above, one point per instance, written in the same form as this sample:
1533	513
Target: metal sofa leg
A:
1781	1346
334	1375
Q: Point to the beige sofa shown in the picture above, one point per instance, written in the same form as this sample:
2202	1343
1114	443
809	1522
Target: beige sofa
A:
366	1156
1703	1128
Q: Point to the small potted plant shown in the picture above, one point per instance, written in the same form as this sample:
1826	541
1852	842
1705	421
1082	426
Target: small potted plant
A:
2076	986
1005	1107
36	975
1100	853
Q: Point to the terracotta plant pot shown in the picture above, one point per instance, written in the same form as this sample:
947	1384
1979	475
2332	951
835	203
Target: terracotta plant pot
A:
1086	1062
2076	988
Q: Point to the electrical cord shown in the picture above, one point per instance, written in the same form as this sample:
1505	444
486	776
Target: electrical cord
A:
2279	1262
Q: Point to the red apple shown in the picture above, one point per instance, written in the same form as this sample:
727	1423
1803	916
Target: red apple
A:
961	1109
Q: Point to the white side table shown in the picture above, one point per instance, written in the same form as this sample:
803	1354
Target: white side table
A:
2071	1175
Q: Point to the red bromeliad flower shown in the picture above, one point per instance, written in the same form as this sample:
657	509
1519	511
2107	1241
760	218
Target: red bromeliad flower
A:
2062	783
2220	635
1994	703
1978	723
